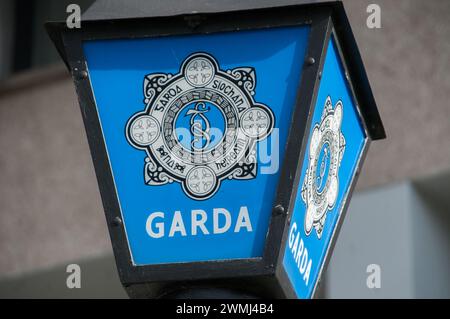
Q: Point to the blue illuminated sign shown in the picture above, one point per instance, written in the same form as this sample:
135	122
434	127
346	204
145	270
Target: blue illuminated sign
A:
335	145
195	129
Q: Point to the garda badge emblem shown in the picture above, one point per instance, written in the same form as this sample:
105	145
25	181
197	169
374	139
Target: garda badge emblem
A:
321	184
200	126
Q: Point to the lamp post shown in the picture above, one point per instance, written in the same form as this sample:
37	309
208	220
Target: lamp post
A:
227	138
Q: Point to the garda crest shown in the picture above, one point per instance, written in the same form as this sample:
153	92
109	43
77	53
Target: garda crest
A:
321	183
200	126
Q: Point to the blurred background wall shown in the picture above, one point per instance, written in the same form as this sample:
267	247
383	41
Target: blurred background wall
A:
50	209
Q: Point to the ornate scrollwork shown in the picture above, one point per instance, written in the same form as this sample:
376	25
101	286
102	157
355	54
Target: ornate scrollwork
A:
200	126
154	84
245	78
154	175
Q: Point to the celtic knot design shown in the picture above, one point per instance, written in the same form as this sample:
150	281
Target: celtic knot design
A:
200	126
321	184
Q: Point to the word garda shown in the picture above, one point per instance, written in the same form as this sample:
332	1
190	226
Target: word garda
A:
300	253
221	223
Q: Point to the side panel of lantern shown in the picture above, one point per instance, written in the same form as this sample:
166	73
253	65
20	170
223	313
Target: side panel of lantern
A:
335	146
195	128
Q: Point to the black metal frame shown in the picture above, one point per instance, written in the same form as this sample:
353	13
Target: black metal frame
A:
281	273
264	276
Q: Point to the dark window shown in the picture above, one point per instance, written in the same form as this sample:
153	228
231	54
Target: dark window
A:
24	43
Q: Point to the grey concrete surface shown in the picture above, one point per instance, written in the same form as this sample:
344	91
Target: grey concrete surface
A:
50	209
98	279
408	67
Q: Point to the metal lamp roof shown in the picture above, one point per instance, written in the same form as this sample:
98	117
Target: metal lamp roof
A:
120	9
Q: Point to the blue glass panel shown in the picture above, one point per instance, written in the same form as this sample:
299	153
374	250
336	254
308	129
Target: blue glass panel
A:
159	101
335	145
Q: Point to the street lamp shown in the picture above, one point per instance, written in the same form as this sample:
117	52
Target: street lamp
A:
227	137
